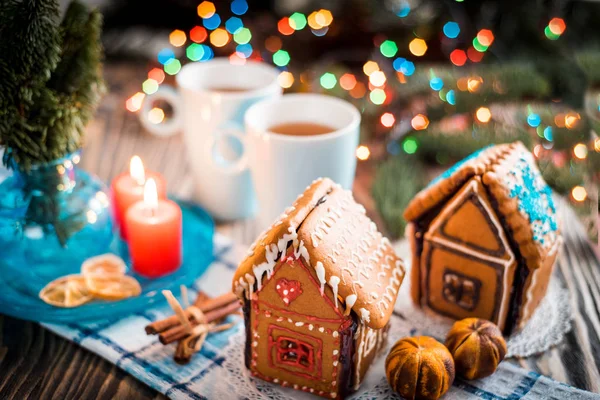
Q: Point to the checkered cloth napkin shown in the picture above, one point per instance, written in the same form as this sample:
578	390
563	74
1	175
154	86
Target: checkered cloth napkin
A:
125	344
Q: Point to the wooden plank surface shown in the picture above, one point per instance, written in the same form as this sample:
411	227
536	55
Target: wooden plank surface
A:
35	363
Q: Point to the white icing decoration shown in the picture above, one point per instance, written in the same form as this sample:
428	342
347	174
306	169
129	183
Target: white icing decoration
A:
350	300
365	315
334	282
320	270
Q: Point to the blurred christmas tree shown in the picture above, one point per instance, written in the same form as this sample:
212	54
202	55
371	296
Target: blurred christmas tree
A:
434	79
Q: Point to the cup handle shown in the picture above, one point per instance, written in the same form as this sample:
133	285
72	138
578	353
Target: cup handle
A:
236	167
173	124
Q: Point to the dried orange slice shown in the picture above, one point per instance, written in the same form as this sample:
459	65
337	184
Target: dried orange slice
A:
67	291
112	286
105	264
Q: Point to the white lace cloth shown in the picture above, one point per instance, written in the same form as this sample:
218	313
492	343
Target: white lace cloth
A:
547	327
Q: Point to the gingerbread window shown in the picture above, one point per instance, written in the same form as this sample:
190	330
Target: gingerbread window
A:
294	352
461	290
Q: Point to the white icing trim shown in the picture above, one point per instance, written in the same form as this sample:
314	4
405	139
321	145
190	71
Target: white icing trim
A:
467	189
334	282
320	270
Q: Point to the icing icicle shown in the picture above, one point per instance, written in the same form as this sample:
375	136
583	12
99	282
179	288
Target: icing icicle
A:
320	270
334	282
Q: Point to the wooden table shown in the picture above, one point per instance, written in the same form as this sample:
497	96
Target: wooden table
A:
35	363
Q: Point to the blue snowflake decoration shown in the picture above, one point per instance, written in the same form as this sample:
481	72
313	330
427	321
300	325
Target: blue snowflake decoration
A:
534	198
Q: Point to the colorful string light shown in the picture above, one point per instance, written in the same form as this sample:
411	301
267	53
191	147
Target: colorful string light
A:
534	120
579	193
150	86
285	79
417	47
348	81
134	103
328	80
474	55
242	36
377	96
297	21
485	37
387	119
172	67
451	30
198	34
410	145
281	58
377	79
165	55
272	43
458	57
157	74
177	38
233	25
419	122
580	151
284	27
206	9
219	37
212	22
483	115
363	153
156	116
239	7
370	67
388	48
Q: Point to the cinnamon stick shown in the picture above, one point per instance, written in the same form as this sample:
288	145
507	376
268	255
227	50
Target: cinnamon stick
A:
203	302
190	345
178	331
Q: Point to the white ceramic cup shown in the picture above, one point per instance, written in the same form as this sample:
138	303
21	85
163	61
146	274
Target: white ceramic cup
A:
283	165
212	123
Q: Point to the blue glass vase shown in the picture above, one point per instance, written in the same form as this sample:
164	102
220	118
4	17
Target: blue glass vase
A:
52	218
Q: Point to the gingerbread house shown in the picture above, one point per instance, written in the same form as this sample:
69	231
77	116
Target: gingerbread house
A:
484	238
318	289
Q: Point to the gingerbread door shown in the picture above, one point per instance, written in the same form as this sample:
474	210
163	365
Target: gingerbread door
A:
467	264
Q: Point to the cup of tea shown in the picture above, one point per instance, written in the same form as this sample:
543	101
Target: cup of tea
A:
209	106
295	139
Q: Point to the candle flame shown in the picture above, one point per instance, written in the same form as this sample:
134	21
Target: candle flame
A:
136	170
151	194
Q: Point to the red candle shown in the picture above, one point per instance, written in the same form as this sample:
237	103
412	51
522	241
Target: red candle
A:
128	188
154	229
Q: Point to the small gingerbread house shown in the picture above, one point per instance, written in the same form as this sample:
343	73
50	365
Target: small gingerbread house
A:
318	289
484	238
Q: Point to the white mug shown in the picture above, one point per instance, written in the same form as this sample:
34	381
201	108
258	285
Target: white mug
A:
283	165
212	123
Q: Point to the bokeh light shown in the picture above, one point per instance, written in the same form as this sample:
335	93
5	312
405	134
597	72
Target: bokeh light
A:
377	78
198	34
474	55
233	25
485	37
403	9
572	119
237	59
297	21
239	7
579	193
177	38
212	23
580	151
597	145
284	27
419	122
156	115
451	97
165	55
407	68
157	74
172	66
436	83
324	17
418	47
397	63
388	120
483	115
557	26
242	36
219	37
134	103
410	145
281	58
150	86
474	83
328	80
451	30
312	21
273	43
363	153
370	67
458	57
348	81
206	9
244	50
548	134
388	48
377	96
478	46
358	91
534	120
285	79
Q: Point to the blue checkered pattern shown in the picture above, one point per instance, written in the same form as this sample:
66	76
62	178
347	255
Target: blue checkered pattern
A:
125	344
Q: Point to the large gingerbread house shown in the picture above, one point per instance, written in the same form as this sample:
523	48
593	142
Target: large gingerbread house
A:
484	238
318	289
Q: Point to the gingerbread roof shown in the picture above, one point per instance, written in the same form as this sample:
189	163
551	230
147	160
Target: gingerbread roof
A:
521	196
331	232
